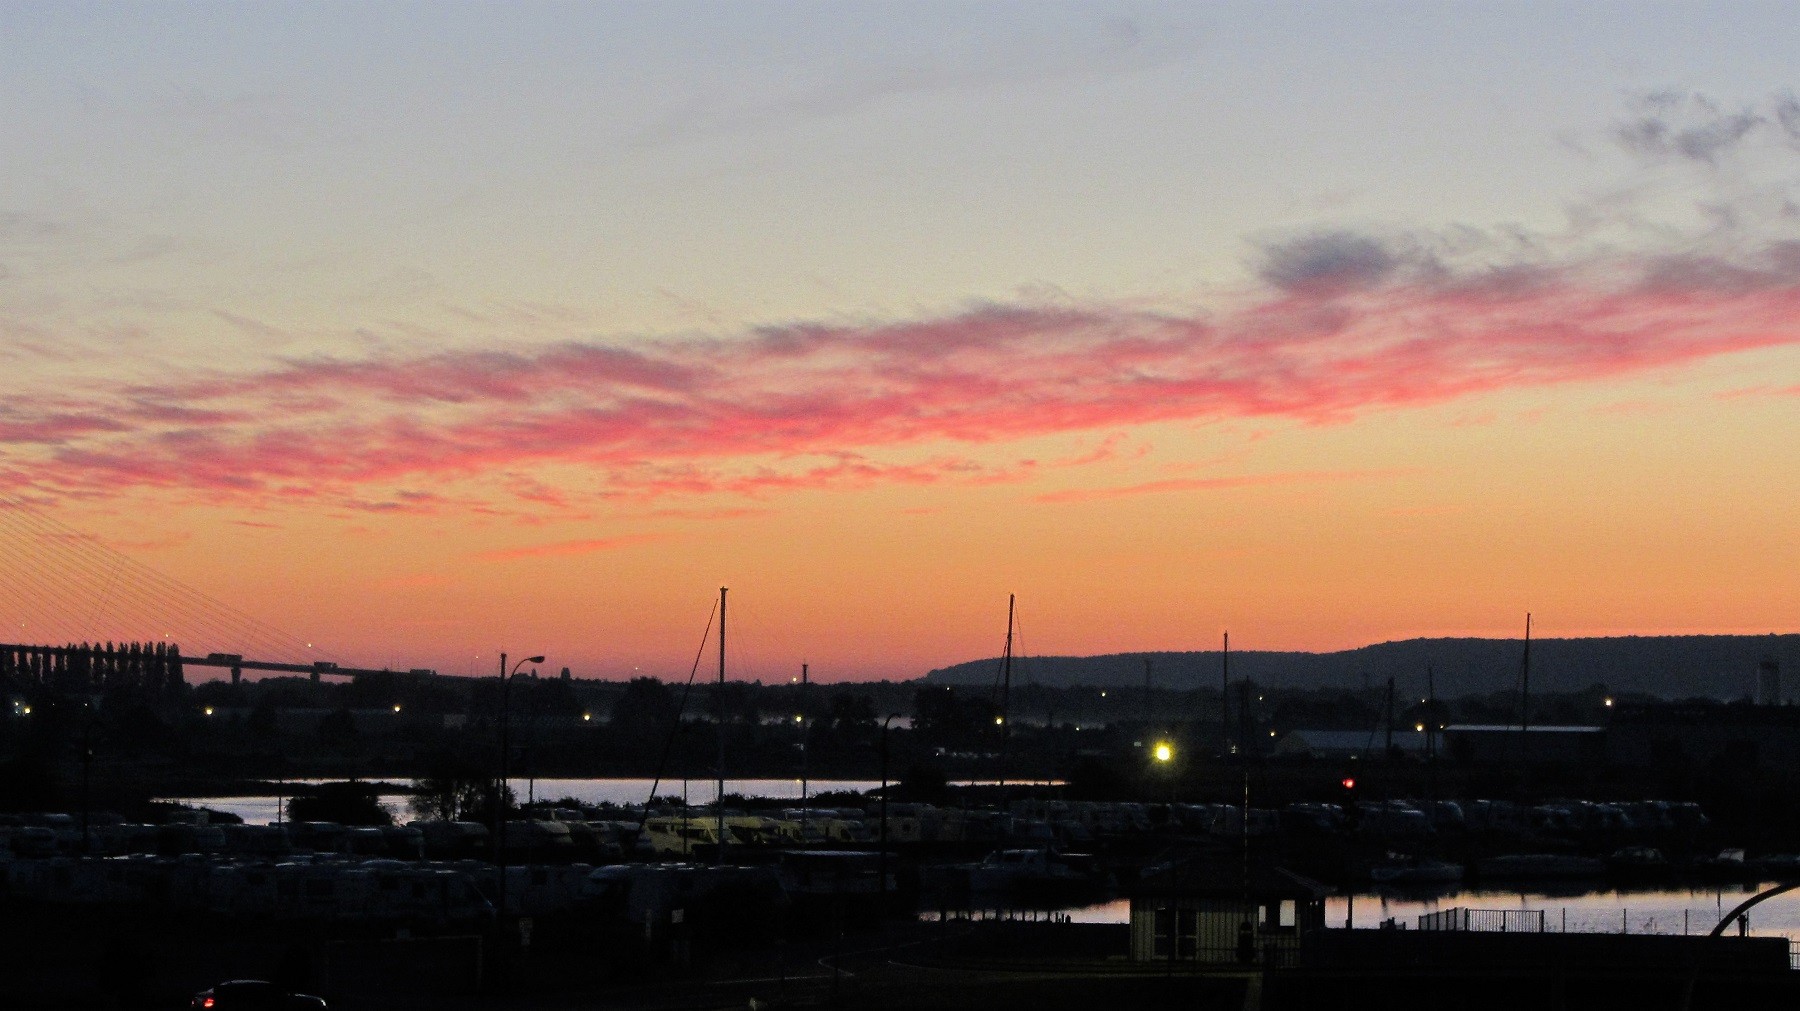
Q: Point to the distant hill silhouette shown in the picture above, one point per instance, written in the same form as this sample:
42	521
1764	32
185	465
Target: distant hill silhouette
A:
1669	666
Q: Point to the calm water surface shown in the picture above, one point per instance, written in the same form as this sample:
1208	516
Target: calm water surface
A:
1663	911
1691	910
267	809
271	808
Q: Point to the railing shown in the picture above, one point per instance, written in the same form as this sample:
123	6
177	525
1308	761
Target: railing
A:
1505	921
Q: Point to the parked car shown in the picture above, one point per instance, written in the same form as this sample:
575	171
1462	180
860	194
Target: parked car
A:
254	995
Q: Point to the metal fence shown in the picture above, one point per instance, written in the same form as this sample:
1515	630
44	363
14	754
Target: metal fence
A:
1505	921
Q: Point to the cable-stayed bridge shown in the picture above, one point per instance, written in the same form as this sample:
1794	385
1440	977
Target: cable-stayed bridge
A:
61	585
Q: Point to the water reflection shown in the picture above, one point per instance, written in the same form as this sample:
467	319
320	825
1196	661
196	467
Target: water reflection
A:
1661	911
260	810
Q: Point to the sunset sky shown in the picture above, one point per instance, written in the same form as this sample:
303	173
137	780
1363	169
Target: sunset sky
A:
423	332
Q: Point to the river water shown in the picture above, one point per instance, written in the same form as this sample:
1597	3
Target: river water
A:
260	810
1593	910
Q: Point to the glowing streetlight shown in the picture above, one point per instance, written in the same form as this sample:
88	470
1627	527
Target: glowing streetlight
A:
1164	753
506	680
208	710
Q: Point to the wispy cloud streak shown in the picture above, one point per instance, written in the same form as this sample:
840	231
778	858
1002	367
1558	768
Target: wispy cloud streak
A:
1348	325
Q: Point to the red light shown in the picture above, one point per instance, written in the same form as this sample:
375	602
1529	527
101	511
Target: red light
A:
1349	784
208	1002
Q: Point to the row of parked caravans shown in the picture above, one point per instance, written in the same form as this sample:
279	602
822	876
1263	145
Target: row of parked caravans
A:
383	891
1031	823
1578	820
1078	824
439	896
575	836
550	841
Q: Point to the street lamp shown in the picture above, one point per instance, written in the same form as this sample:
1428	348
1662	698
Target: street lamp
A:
499	815
1164	753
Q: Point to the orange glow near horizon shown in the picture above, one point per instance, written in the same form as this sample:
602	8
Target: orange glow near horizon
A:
1421	525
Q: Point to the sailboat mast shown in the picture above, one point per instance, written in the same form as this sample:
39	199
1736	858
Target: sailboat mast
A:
719	856
1525	682
1225	696
1006	689
1149	707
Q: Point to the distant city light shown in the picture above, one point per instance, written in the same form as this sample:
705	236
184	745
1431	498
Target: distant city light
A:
999	720
1420	727
1164	752
586	717
208	710
799	719
1609	703
396	707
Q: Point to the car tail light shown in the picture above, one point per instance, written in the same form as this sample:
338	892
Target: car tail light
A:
208	1002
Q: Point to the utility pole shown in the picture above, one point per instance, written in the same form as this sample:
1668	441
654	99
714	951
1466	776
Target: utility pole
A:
87	768
497	814
1389	707
1431	729
805	741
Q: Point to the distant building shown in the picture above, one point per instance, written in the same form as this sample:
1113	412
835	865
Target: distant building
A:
1768	682
1703	733
1212	912
1548	744
1343	744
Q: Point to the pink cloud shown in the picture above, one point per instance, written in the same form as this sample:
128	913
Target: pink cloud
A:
726	513
1205	484
562	548
1344	329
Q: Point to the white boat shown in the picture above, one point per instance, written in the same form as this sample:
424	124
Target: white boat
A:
1529	866
1026	872
1405	870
